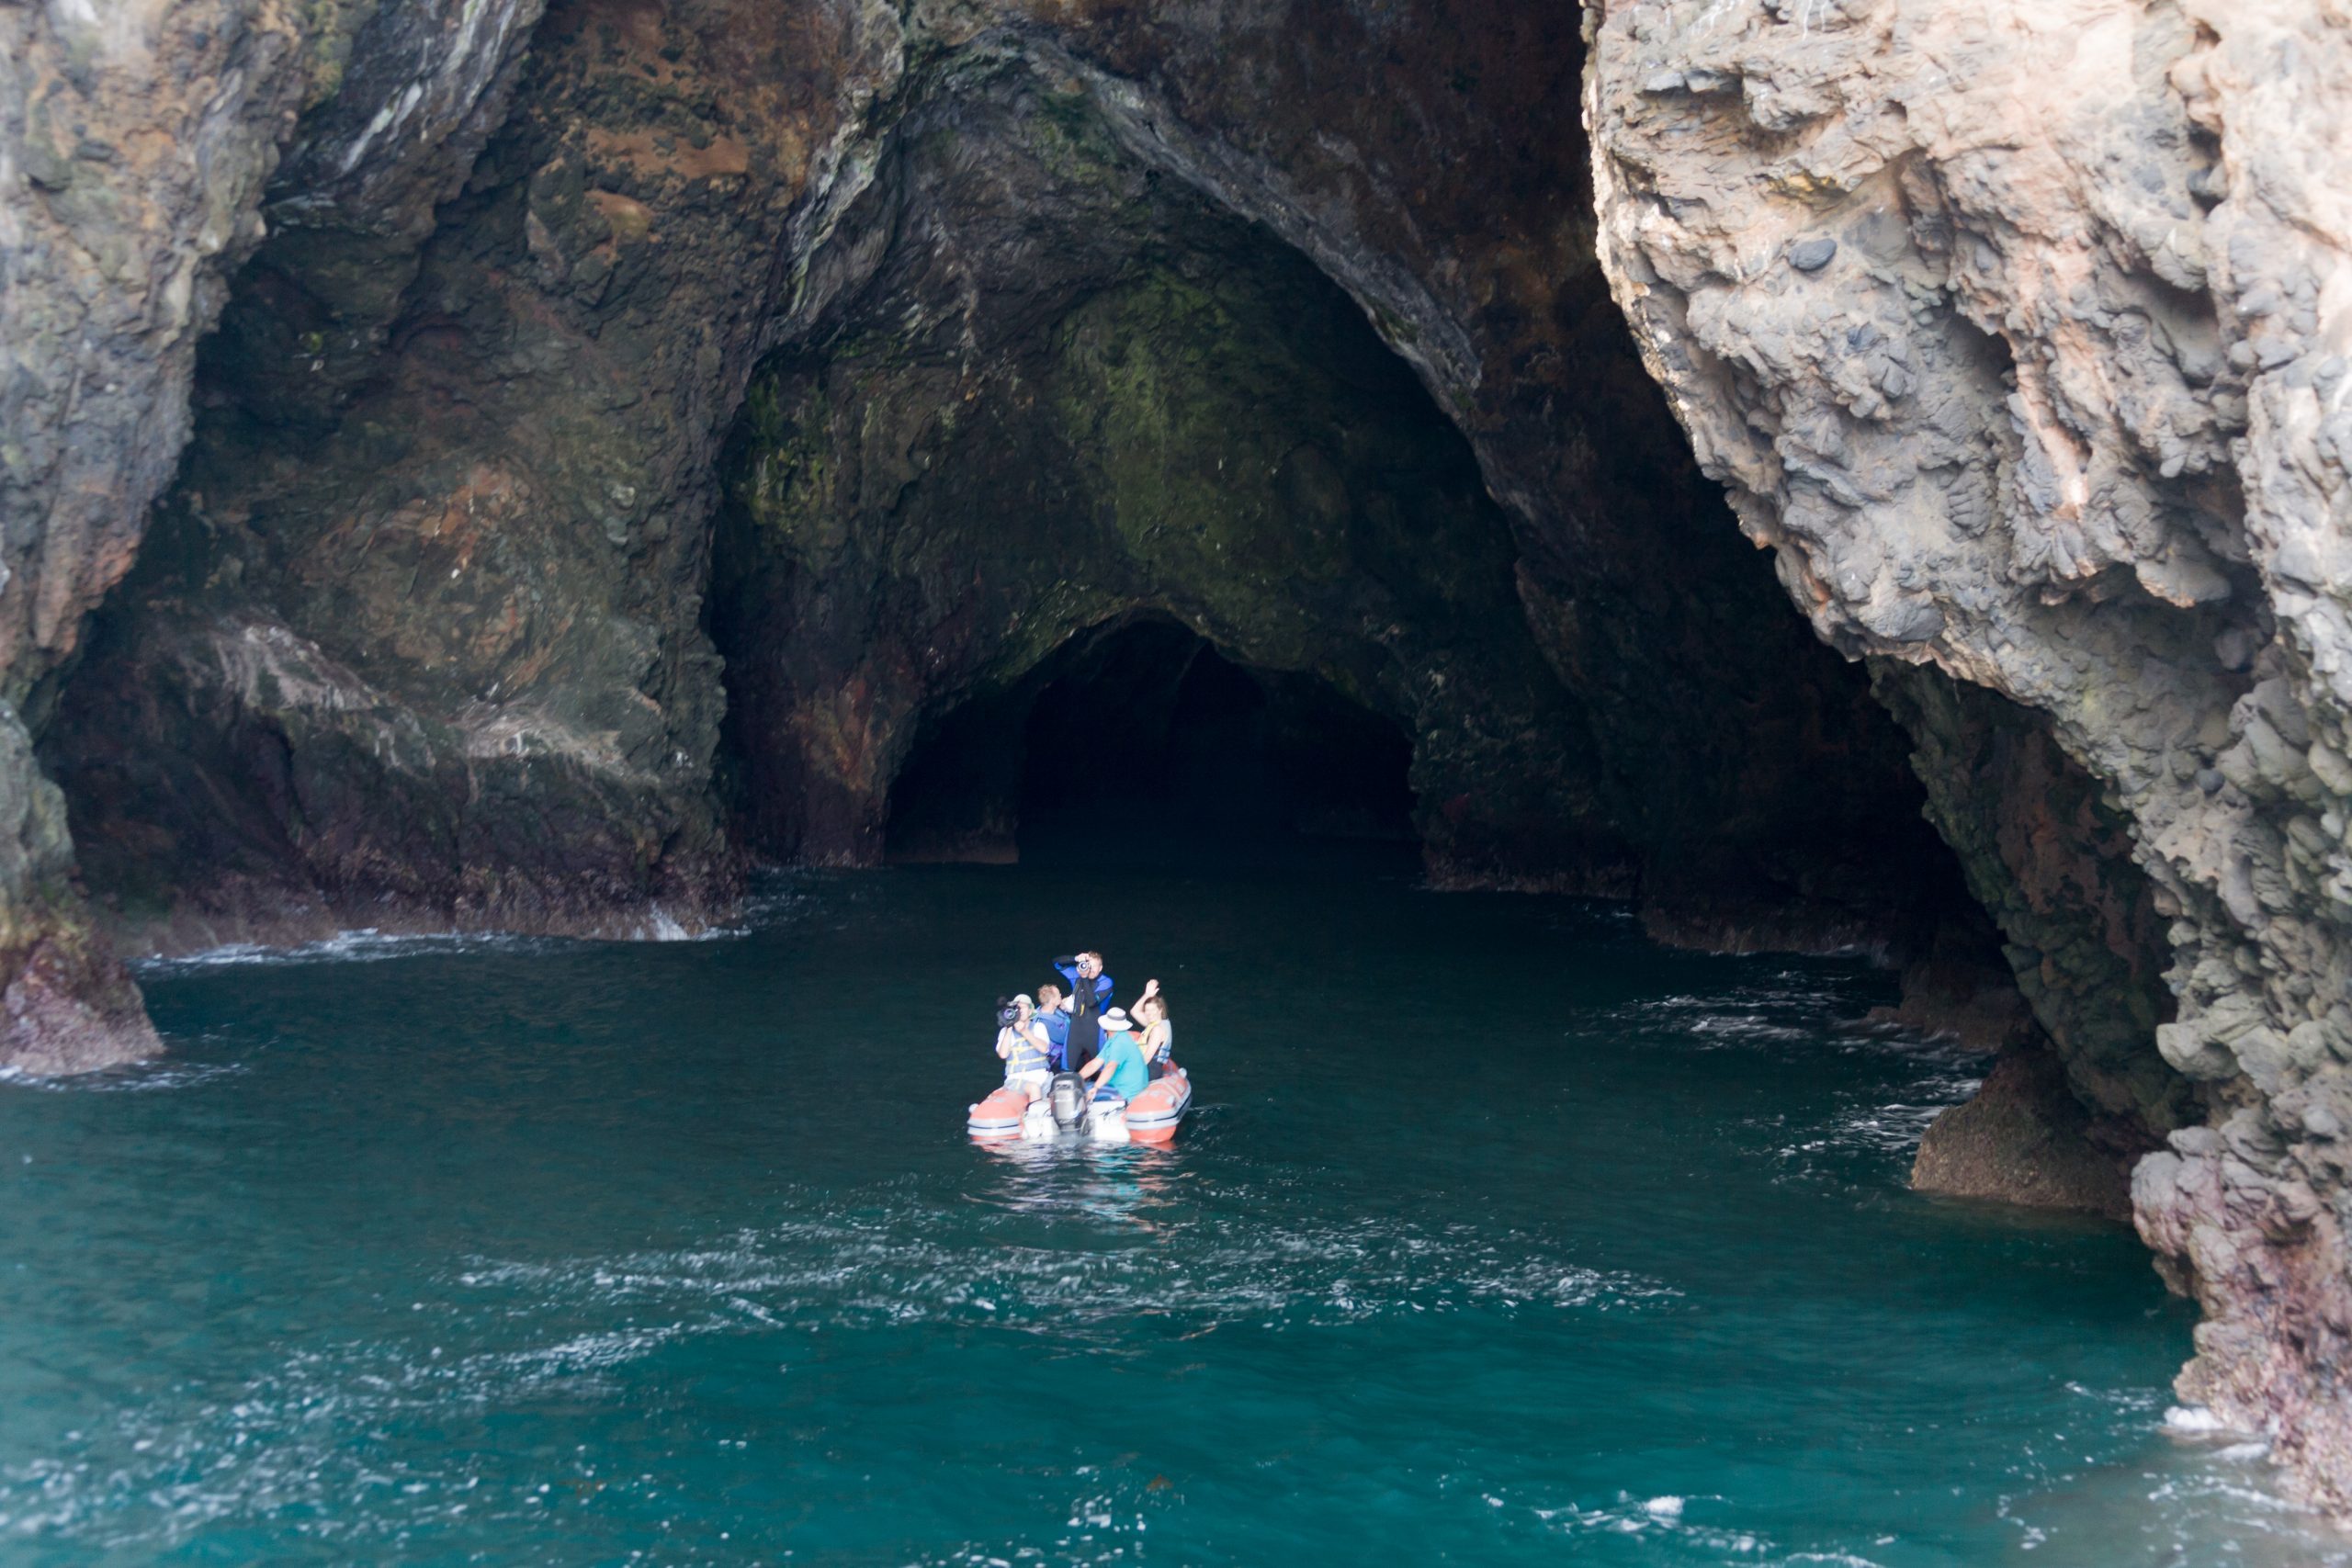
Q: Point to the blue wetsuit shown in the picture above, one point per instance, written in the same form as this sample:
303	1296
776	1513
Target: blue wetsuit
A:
1085	1036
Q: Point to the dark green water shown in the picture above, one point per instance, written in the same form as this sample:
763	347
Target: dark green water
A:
1499	1236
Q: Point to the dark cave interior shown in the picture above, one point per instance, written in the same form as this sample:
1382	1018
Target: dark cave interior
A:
1144	732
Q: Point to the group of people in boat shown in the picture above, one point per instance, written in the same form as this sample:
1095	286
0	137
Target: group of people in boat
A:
1075	1027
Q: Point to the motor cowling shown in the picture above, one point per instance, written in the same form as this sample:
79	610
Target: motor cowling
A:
1067	1094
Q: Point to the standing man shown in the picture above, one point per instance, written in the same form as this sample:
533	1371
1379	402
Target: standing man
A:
1089	993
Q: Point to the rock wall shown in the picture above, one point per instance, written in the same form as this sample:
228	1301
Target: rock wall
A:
2024	1137
2017	333
135	142
2050	861
419	642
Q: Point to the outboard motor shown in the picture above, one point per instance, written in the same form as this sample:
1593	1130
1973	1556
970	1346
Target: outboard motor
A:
1067	1096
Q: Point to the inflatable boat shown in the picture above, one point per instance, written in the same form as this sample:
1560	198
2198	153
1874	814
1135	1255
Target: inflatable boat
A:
1066	1110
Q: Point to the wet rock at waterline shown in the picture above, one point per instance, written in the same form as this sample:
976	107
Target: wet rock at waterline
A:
2025	1138
634	436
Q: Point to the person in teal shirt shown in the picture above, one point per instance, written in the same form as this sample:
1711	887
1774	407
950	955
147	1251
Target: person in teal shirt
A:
1119	1070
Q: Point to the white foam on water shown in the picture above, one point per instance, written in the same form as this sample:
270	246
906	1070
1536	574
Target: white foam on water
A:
1791	1011
2144	1400
133	1078
281	1441
2208	1495
919	1266
363	946
367	943
1662	1519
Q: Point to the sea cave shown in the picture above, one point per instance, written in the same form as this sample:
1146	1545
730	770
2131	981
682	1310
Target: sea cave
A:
1519	554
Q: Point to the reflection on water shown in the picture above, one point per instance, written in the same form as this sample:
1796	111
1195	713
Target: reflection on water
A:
1132	1184
1496	1236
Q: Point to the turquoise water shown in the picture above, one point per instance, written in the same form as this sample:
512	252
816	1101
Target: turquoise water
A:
1499	1236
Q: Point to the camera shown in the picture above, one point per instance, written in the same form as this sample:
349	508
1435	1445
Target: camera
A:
1007	1015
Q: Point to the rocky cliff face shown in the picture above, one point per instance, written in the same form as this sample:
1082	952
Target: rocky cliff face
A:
135	145
2014	332
1068	395
419	639
1212	435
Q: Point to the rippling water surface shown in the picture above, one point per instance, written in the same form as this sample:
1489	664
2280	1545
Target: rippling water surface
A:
1499	1236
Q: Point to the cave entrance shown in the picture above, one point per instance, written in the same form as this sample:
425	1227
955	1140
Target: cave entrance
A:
1143	737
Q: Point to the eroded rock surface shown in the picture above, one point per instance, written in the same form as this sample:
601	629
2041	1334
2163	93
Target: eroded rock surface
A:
2024	1137
2018	333
419	642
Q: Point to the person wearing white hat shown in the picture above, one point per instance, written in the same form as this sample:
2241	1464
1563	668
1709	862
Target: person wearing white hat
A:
1119	1070
1022	1042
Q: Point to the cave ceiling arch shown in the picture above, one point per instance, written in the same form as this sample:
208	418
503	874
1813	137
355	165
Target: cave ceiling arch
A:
452	476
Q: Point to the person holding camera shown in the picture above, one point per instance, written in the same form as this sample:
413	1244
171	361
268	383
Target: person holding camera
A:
1025	1046
1089	993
